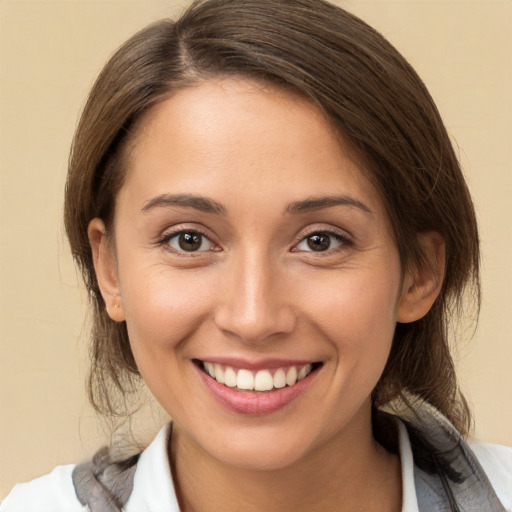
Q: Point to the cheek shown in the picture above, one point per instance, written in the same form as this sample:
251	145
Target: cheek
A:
356	312
164	310
163	306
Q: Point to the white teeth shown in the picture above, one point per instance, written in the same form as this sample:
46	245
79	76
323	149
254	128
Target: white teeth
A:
219	374
291	376
210	369
303	372
262	381
230	377
279	379
244	380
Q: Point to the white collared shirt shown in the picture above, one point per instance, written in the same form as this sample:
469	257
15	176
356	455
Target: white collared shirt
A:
153	489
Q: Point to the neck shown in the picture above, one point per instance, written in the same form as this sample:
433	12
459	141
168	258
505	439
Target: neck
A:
351	472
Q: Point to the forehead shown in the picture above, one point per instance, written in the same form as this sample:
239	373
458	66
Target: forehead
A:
244	136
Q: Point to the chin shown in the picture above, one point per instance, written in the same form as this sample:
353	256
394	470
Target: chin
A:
271	456
261	447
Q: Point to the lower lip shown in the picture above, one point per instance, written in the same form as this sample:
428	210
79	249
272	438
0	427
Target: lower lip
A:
255	403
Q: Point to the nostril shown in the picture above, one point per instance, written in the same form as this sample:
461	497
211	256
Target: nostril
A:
252	304
256	326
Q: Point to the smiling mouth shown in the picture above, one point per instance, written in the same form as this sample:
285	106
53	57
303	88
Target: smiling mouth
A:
264	380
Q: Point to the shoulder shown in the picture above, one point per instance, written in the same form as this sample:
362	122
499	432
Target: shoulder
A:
141	482
53	492
475	475
496	461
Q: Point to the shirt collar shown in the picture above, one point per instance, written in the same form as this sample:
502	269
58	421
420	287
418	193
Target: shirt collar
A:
409	499
153	487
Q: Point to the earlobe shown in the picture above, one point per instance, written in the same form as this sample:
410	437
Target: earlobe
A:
106	269
422	283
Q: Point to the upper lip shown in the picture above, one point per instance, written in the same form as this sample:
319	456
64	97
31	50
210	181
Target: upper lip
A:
260	364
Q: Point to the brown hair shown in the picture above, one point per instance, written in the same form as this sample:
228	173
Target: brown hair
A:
375	100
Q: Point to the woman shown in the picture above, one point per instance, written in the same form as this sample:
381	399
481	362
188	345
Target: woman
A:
274	230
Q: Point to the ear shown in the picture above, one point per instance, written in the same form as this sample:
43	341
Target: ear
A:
106	269
422	284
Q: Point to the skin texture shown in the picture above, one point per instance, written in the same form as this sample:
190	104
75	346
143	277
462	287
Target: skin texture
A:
255	291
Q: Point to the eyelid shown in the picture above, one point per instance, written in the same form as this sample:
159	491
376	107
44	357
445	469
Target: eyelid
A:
339	234
170	233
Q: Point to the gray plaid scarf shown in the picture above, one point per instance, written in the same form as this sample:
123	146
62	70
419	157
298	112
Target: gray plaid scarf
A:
447	474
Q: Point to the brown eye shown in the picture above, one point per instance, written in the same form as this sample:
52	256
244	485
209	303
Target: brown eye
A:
319	242
190	241
322	242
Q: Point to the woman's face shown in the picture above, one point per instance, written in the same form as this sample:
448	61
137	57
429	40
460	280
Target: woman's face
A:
250	246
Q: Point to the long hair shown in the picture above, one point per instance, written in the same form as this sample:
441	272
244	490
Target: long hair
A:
376	103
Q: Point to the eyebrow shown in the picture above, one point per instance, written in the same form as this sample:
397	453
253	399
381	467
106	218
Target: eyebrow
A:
203	204
318	203
207	205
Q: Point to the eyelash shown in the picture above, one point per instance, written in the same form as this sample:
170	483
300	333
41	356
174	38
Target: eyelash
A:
165	240
343	240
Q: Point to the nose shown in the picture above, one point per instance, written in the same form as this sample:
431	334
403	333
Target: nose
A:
254	304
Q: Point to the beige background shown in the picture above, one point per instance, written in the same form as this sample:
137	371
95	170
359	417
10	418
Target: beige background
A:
50	53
